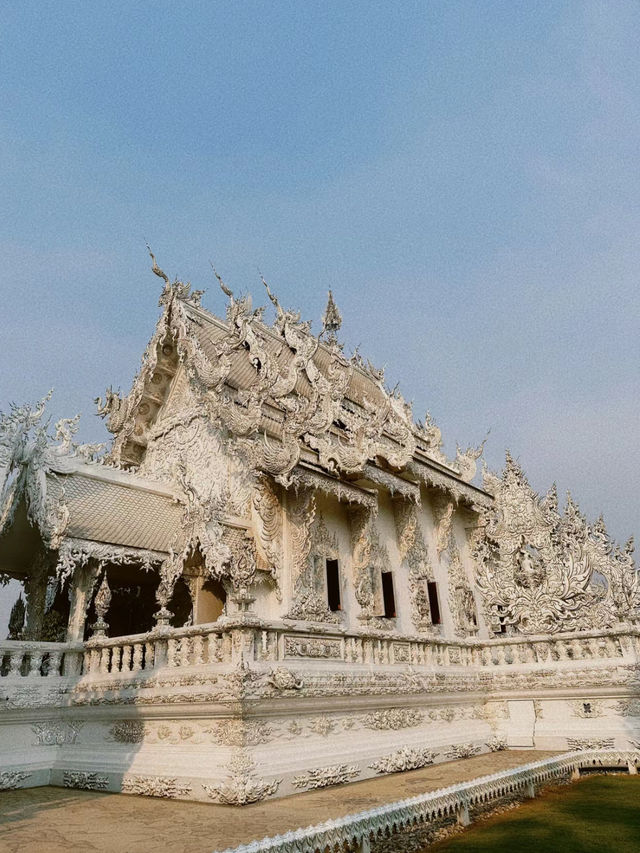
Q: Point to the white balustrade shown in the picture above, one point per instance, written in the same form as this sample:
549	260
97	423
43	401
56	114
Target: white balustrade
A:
213	644
20	659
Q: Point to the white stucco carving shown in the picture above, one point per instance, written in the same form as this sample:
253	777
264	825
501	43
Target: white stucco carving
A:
246	461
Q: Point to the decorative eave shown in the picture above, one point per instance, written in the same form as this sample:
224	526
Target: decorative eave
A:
77	552
393	483
304	476
460	491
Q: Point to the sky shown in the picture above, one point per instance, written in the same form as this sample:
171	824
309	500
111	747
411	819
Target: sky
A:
462	174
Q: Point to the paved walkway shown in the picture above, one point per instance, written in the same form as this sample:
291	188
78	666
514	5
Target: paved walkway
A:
58	820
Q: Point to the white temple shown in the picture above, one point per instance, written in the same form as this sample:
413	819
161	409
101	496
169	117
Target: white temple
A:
274	581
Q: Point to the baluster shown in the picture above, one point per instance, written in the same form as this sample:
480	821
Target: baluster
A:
95	658
149	655
212	648
35	663
15	663
264	644
198	649
54	664
186	646
125	665
138	651
105	660
172	652
226	647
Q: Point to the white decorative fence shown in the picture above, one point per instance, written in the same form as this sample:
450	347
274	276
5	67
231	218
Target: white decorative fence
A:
20	658
211	644
206	645
355	832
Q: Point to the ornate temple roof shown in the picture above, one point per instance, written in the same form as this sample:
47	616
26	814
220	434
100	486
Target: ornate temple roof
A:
290	395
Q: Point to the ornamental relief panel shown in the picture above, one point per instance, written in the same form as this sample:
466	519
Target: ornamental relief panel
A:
413	549
88	781
309	590
587	708
243	786
11	779
268	524
369	558
581	743
403	759
461	599
155	786
324	777
216	469
56	733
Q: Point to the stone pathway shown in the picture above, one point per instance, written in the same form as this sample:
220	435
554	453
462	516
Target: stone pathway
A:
59	820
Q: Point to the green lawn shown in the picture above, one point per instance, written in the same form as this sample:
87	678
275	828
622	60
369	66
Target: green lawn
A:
596	814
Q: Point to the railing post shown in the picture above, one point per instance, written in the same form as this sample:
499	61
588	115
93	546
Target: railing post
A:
464	818
364	845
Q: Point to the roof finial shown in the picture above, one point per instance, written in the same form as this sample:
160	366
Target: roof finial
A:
331	320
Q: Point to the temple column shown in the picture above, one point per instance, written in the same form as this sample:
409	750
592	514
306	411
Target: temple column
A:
82	583
35	588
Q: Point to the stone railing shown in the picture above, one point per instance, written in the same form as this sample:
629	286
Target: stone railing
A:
20	659
179	647
250	640
356	832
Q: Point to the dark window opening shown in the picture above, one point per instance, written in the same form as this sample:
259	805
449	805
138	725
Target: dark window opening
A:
434	606
333	585
388	597
503	627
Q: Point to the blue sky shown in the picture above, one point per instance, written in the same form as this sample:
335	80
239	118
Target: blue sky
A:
463	175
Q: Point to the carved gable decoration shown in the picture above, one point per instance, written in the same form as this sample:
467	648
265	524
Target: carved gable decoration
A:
278	388
542	572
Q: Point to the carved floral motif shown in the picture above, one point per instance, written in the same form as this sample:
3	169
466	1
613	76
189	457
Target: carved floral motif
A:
393	718
462	750
284	679
406	758
587	708
155	786
242	786
323	777
56	733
